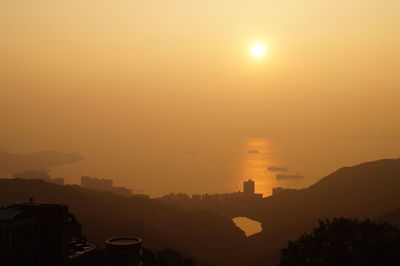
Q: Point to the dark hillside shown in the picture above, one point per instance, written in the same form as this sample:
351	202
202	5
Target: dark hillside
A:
363	191
205	236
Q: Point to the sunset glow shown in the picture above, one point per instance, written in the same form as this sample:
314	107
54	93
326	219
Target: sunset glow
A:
199	132
258	50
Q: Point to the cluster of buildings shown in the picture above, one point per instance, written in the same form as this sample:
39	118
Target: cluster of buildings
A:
248	193
38	234
100	184
93	183
281	190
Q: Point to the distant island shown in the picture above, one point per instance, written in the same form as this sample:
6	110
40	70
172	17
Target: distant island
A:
15	162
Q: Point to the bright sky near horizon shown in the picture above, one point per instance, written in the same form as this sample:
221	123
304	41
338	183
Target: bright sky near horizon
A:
133	85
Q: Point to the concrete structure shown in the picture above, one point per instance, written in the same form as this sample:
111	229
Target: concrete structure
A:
38	234
55	228
248	187
16	225
124	251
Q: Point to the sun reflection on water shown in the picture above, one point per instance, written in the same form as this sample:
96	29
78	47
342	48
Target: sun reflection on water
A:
257	156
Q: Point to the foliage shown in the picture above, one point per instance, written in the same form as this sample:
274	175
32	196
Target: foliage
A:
345	242
166	257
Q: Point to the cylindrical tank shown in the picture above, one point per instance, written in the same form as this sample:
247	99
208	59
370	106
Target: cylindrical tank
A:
124	251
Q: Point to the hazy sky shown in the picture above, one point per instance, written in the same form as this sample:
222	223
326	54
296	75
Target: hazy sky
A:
164	95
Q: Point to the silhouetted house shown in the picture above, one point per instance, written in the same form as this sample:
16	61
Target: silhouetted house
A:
248	187
124	251
38	234
56	227
18	242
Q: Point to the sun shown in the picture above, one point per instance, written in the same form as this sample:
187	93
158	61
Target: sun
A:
258	50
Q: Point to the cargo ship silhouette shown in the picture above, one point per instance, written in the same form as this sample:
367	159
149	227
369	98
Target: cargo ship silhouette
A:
277	169
289	177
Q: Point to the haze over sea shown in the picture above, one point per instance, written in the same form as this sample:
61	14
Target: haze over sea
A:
168	97
218	167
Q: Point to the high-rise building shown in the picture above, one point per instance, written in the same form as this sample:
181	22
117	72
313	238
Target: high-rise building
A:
38	234
18	244
54	230
248	187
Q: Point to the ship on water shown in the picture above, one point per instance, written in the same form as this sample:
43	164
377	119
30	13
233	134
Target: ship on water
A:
277	169
289	177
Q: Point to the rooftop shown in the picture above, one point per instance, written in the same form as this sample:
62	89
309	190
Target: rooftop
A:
123	241
40	204
11	215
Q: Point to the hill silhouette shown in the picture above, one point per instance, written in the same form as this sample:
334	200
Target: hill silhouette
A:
368	190
345	242
392	217
207	237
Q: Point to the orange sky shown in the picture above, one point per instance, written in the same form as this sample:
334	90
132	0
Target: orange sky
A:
132	85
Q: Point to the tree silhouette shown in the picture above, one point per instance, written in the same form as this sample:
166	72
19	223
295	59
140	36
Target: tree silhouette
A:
345	242
166	257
